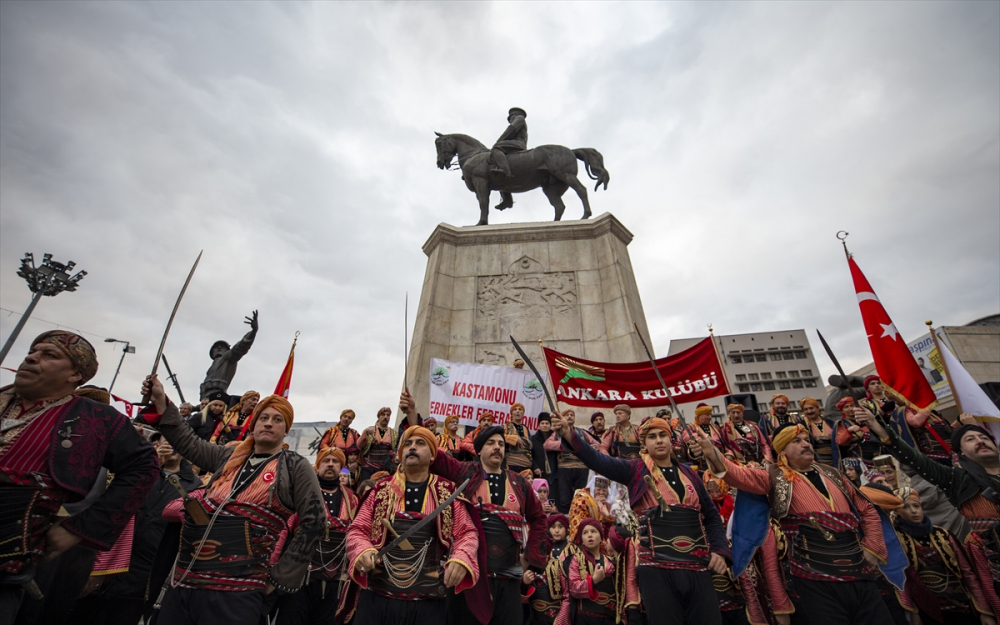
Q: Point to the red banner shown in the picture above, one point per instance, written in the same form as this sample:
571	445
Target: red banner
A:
694	374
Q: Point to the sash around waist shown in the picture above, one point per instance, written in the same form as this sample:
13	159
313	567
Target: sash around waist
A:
675	536
411	573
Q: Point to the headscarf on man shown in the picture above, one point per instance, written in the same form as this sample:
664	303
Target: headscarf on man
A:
782	437
484	435
335	452
246	446
809	401
419	432
78	349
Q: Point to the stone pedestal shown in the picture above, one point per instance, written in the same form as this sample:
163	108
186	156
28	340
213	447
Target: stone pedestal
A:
568	283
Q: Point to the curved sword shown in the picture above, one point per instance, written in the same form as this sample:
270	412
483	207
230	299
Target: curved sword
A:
170	322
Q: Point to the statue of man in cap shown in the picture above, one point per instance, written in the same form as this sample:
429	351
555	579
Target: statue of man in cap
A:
513	139
224	359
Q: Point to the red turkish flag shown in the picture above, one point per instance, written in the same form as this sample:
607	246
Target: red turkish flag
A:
893	360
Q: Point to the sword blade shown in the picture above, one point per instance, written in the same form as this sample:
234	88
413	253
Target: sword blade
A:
829	352
424	521
656	370
538	376
173	313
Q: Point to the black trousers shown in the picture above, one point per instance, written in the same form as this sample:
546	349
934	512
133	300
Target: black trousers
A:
376	610
839	603
675	597
314	604
188	606
735	617
61	582
506	605
569	481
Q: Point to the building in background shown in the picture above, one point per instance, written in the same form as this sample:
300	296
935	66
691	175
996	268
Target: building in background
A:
763	363
977	347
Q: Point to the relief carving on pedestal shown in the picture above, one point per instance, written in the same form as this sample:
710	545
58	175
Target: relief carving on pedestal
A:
527	295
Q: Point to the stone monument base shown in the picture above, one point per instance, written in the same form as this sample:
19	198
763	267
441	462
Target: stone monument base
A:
569	284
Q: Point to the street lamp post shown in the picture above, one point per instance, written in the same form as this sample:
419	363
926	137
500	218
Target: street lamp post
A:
50	278
128	349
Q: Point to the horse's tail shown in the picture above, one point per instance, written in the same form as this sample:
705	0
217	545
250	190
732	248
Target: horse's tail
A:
594	164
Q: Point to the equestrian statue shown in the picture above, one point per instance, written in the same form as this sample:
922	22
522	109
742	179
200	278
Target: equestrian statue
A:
510	167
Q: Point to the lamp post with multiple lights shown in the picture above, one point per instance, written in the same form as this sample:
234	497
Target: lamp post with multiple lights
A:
50	278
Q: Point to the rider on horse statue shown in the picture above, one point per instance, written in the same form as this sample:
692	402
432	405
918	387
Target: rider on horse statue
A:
514	139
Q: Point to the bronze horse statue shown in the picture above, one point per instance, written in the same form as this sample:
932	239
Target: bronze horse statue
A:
551	167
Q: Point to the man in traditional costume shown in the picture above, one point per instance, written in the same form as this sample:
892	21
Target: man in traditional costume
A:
597	427
877	401
777	415
622	440
835	535
511	522
941	583
226	567
702	422
742	440
378	446
342	435
448	440
571	474
319	599
544	462
233	424
53	445
485	421
518	439
973	488
410	585
854	439
820	432
681	539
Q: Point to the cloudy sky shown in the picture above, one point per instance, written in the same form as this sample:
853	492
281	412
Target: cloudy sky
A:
294	144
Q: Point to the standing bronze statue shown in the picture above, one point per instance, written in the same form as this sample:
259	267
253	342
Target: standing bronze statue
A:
512	168
224	359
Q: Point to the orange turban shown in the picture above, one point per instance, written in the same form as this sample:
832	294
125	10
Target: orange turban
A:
347	411
780	396
806	401
655	423
334	451
450	419
421	432
702	409
245	448
739	407
882	499
786	435
907	493
516	404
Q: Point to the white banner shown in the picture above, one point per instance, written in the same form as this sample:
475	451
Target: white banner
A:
929	361
468	390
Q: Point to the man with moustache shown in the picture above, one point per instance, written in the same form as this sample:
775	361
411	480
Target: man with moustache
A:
544	462
378	445
820	432
622	440
448	440
834	533
511	522
342	435
681	540
973	487
742	440
410	586
597	427
52	447
777	416
571	474
317	602
516	434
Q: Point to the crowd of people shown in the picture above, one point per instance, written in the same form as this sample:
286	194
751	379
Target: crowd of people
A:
202	515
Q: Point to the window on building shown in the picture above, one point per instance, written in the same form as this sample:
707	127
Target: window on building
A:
784	385
761	357
744	388
769	386
775	356
737	360
765	376
793	374
754	376
788	356
762	406
756	387
715	410
780	375
800	354
807	373
810	383
796	383
741	377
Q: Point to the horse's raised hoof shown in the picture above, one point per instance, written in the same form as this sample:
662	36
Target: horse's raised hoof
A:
504	206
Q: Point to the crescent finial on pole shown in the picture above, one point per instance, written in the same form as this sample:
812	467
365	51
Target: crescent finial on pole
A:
843	241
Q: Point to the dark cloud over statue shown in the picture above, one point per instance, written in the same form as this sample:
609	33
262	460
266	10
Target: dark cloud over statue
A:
225	358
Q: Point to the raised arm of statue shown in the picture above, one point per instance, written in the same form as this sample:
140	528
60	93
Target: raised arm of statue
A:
243	345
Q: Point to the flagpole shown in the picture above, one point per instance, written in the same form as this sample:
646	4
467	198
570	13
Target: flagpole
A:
406	337
944	363
843	241
722	359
